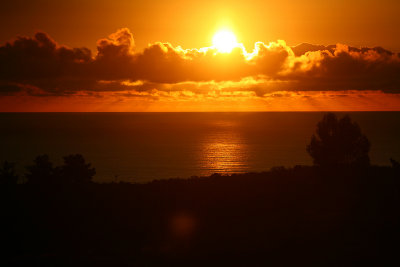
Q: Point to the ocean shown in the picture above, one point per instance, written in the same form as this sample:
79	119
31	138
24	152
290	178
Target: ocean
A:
140	147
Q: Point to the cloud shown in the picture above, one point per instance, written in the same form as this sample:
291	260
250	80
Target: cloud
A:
346	68
40	57
40	66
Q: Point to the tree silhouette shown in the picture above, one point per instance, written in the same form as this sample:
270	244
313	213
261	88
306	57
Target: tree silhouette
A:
76	170
338	142
42	172
7	174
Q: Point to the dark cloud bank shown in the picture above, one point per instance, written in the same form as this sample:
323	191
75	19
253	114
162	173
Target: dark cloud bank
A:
39	66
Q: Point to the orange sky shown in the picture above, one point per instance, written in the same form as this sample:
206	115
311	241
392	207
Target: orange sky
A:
192	23
136	73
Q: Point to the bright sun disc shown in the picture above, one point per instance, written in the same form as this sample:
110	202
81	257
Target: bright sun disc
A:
224	41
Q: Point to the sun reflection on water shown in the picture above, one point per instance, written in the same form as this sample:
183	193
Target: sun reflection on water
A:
224	151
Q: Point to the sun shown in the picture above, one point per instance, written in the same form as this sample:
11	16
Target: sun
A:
224	41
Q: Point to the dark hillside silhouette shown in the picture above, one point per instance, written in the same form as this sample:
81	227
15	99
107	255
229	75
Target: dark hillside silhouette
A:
285	217
338	142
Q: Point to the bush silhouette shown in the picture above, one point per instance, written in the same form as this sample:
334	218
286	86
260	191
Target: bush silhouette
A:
7	174
42	172
338	142
76	170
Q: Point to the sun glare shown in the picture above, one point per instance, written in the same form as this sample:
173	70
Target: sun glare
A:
224	41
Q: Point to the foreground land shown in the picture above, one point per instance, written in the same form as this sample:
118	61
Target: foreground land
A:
284	217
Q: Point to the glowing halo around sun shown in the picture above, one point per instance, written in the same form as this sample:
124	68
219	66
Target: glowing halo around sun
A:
224	41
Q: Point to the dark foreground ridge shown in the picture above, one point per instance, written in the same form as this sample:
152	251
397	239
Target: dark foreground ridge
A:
317	216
